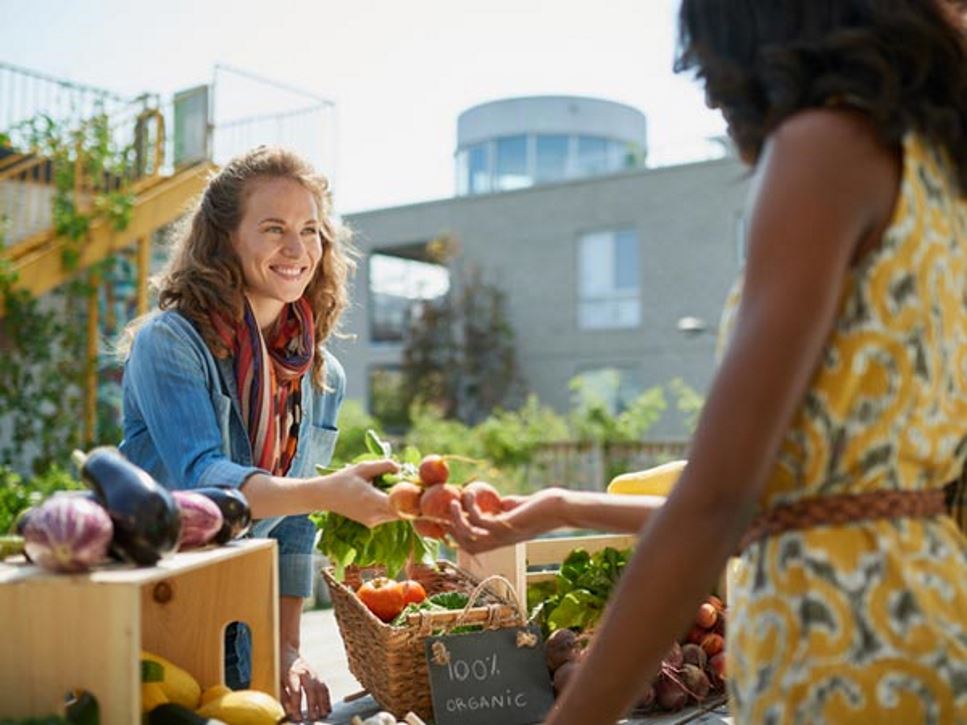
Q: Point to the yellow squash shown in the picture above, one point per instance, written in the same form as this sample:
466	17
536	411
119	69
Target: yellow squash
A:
244	707
656	481
178	686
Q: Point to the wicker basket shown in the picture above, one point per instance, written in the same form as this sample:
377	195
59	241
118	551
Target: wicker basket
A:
390	662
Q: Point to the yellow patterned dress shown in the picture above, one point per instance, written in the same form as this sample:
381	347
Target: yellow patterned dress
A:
867	623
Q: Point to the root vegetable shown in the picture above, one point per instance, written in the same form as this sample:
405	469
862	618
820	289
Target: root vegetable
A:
706	616
696	634
404	499
435	503
693	654
713	644
564	674
434	470
560	648
695	681
669	694
485	496
716	666
674	657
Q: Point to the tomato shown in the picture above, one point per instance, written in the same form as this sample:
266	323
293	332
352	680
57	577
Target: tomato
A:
383	597
413	592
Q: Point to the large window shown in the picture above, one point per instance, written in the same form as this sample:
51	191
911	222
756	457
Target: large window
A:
608	280
551	158
512	163
396	286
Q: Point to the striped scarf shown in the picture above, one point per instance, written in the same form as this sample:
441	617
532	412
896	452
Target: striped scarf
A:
269	377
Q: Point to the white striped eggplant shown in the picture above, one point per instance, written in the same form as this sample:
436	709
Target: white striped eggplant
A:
67	534
201	519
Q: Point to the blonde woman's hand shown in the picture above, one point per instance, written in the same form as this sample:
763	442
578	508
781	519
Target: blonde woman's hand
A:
352	494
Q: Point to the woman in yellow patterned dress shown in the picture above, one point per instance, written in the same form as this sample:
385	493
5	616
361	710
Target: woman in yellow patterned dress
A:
839	410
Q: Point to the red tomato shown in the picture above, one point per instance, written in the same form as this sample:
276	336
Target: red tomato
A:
383	597
413	592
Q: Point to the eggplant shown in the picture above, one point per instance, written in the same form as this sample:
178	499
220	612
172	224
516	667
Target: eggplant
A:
146	521
236	514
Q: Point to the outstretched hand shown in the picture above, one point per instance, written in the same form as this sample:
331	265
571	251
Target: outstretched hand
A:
521	518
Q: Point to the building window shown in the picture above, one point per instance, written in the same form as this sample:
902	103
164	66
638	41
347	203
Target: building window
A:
608	280
478	169
551	161
396	286
511	164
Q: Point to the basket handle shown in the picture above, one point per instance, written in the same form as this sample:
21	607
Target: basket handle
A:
478	590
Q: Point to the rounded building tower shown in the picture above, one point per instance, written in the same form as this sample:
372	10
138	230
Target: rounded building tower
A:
518	142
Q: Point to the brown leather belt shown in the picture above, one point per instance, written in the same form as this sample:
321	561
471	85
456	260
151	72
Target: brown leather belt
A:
842	509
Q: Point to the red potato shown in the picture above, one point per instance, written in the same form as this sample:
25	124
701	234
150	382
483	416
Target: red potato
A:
485	496
434	470
560	647
404	499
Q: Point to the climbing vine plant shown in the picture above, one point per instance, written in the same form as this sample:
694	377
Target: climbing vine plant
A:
43	355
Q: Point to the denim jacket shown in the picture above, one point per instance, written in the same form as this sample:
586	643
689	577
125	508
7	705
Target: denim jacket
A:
182	423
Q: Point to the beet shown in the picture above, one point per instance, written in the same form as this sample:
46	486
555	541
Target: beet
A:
669	694
201	519
67	534
692	654
695	682
559	648
674	657
647	697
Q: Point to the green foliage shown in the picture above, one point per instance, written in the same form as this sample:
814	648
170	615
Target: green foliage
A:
44	361
510	437
689	402
580	591
18	494
593	419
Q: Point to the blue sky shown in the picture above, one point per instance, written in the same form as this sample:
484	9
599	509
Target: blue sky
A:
398	72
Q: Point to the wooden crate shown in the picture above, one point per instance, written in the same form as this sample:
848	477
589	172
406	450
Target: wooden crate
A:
86	631
539	559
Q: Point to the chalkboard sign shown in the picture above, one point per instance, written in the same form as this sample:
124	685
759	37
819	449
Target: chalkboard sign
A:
487	677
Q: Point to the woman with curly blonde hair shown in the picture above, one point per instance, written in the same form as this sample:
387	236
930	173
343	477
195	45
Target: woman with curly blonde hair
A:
230	382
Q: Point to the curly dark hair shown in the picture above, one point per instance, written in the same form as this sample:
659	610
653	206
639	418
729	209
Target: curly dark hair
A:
904	62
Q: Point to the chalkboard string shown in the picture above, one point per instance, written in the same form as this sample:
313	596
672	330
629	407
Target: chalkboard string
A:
441	656
526	639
